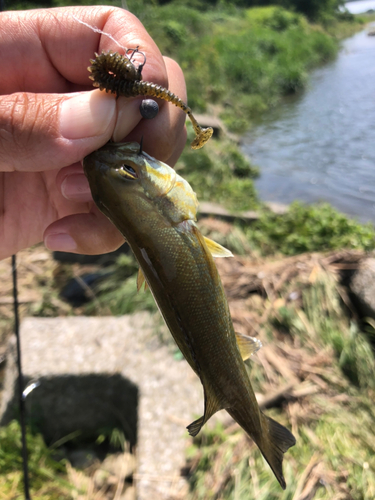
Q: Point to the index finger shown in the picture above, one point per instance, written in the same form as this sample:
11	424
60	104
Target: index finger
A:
57	44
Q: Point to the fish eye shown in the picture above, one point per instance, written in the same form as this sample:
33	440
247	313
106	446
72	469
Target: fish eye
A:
129	171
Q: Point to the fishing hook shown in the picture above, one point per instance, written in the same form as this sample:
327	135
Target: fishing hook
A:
137	51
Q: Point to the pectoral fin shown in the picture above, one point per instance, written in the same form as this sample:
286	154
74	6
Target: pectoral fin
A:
217	250
141	280
247	345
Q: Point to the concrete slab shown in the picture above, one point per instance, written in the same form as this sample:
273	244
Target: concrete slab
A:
95	372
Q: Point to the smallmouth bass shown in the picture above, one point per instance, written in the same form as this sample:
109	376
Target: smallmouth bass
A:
155	209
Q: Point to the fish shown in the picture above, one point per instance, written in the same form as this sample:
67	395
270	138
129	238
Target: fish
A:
155	210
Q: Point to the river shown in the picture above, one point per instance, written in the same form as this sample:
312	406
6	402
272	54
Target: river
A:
360	7
320	145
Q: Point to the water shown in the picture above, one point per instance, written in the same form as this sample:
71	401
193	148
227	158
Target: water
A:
321	145
359	7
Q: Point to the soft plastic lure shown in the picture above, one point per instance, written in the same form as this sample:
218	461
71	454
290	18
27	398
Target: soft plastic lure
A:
116	73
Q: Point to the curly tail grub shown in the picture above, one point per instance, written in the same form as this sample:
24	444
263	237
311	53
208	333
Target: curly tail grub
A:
115	73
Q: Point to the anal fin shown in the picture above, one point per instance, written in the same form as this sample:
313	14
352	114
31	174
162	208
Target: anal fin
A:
195	426
211	406
247	345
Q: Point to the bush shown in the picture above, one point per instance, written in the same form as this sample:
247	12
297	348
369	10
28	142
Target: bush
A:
309	228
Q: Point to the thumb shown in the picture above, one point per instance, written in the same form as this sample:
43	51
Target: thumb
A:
48	131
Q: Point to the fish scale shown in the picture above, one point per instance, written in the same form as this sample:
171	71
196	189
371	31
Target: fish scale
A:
155	208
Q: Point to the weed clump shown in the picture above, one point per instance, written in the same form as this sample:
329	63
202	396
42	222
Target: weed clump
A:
307	229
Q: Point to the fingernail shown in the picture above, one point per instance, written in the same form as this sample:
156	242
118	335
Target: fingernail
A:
76	187
128	117
60	242
88	114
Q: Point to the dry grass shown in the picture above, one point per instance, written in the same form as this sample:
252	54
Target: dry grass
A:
320	387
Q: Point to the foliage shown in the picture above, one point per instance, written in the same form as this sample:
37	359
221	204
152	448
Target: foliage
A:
324	312
219	172
313	9
309	228
47	482
53	478
118	293
245	60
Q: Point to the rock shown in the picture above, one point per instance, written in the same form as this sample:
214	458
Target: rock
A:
362	287
208	208
277	208
211	121
101	372
120	464
81	458
130	494
100	259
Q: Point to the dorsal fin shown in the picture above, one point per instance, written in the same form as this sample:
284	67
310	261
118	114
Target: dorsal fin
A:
217	250
247	345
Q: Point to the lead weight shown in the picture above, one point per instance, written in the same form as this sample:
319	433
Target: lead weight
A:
149	108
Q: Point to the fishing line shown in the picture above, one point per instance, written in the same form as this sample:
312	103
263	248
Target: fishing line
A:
21	397
97	30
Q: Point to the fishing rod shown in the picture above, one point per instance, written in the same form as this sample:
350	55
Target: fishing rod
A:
21	396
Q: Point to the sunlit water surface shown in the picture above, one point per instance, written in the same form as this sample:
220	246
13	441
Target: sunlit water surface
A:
360	7
320	146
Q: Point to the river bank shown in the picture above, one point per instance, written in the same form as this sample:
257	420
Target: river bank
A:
318	145
239	64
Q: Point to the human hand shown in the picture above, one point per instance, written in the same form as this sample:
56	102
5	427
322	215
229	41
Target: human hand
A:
50	119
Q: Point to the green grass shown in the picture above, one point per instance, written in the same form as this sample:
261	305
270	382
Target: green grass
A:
243	59
48	477
303	228
246	60
219	172
51	478
118	294
307	228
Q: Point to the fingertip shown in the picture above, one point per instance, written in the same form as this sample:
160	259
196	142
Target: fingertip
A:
88	234
128	117
179	147
175	77
76	188
73	184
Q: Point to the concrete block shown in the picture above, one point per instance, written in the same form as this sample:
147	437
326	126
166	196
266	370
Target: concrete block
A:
99	372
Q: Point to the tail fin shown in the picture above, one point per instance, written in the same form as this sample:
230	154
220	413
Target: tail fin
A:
272	438
280	440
